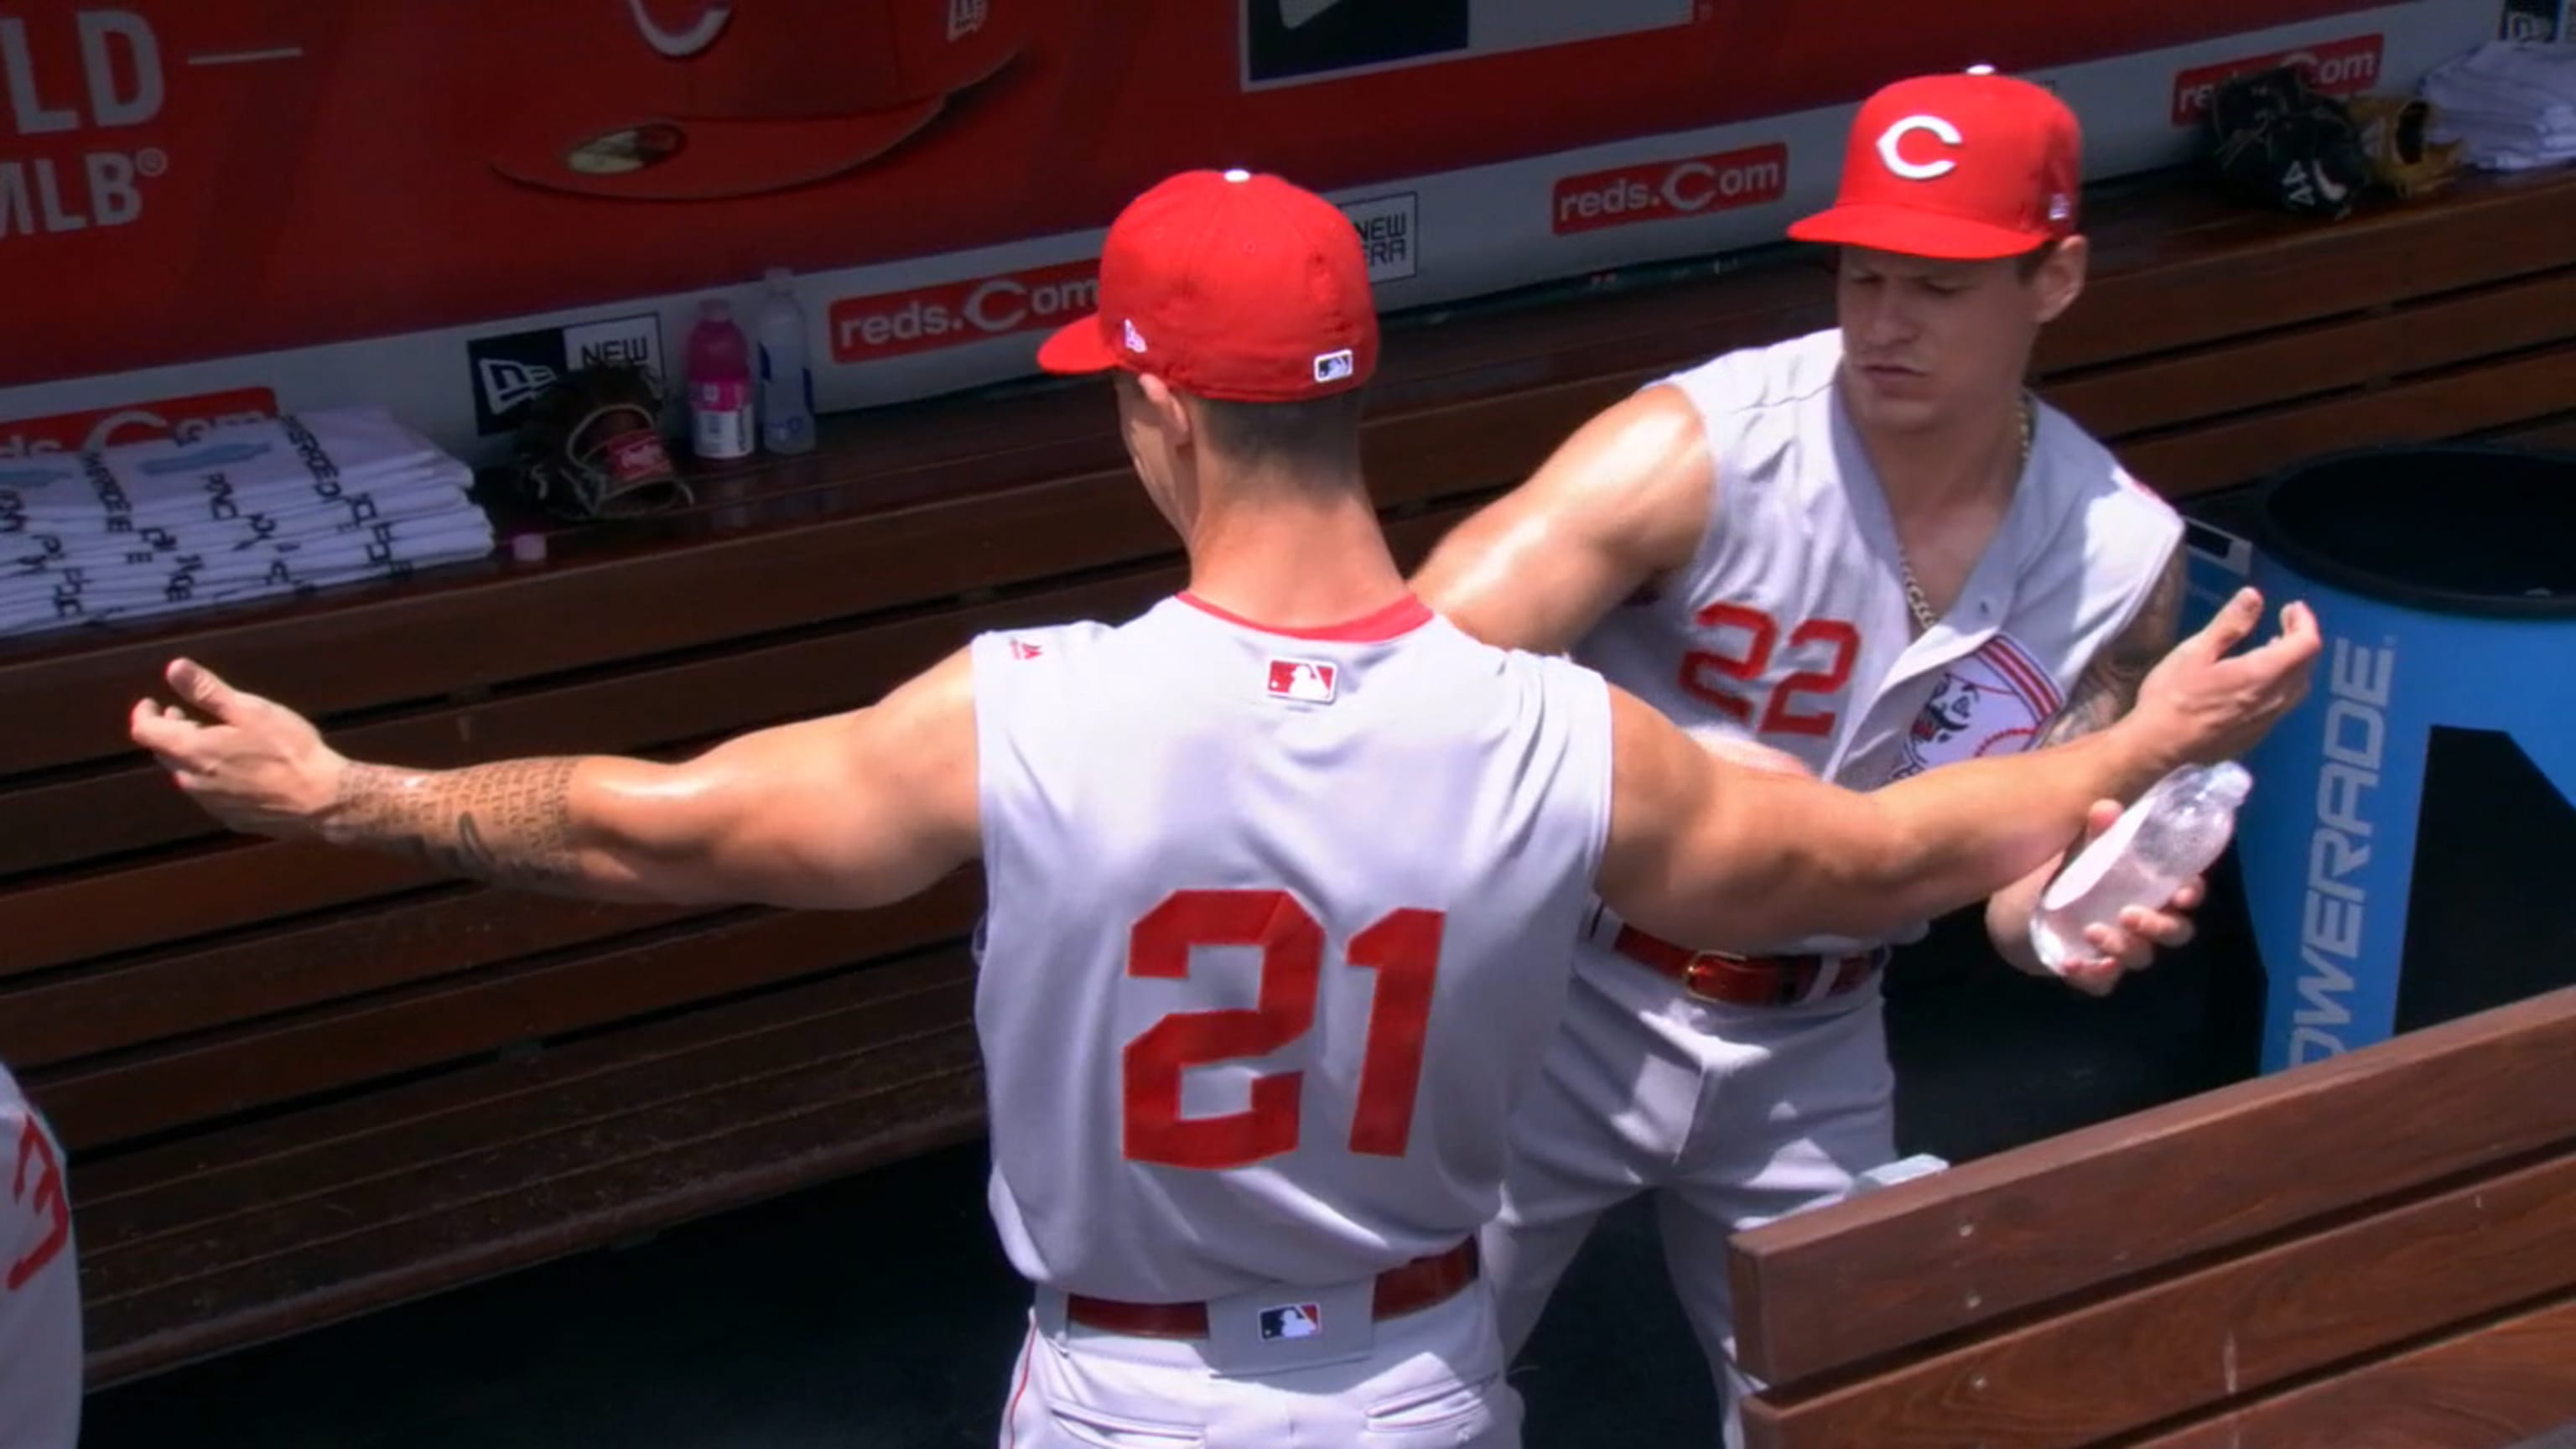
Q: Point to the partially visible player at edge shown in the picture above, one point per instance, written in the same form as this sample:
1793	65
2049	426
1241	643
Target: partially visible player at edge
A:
1859	554
1264	863
40	1302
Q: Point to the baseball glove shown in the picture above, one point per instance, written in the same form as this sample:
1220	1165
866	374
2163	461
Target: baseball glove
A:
2277	143
2401	156
591	446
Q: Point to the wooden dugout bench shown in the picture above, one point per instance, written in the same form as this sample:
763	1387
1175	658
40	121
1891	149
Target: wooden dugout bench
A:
299	1084
2374	1252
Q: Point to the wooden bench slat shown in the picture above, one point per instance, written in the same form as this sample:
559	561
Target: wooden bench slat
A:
2306	362
749	1159
412	940
2157	1352
2164	292
220	1187
524	1153
1827	1289
119	1189
2503	1386
106	1100
2227	453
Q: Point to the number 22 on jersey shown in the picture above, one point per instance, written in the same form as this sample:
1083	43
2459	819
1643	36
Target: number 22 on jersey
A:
1752	635
1402	948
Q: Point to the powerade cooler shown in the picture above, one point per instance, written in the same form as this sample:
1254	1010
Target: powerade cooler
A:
2409	851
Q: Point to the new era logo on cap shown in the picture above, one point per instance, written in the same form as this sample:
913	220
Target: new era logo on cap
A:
1310	680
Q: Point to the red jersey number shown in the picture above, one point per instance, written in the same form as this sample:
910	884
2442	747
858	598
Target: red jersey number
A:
1728	676
1403	948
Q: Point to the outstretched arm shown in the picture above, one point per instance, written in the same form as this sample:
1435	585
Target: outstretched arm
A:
847	811
2105	692
1706	851
1625	498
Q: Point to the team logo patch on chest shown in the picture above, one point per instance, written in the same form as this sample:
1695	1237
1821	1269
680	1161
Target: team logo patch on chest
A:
1994	702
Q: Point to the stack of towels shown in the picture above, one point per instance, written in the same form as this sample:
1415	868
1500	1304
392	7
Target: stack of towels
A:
2512	104
245	511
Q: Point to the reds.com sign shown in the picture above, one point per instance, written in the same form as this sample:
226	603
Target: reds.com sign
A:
2345	67
892	324
1656	190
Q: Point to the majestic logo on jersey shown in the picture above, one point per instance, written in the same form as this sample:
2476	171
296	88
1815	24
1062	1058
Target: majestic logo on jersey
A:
1293	1320
1991	703
1307	679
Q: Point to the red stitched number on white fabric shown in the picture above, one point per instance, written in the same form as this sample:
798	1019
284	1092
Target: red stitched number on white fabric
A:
1402	947
45	1195
1757	633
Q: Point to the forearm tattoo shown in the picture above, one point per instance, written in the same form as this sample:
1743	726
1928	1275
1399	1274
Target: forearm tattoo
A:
2109	684
510	823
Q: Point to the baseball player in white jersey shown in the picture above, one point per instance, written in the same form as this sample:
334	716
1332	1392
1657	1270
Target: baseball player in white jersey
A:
40	1307
1264	867
1859	555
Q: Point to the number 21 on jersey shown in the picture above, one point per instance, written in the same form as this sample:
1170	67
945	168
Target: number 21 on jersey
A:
1727	678
1402	948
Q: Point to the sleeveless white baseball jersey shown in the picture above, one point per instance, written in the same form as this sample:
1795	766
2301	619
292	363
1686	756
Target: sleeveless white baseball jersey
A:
1257	985
40	1307
1789	626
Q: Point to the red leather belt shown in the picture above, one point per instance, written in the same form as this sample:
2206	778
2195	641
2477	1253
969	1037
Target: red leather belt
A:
1409	1288
1747	980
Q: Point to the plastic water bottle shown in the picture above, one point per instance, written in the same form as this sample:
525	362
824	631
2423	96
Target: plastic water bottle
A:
720	401
786	379
2173	832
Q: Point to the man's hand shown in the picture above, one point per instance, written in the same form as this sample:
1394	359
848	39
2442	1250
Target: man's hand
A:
2201	704
252	763
2131	943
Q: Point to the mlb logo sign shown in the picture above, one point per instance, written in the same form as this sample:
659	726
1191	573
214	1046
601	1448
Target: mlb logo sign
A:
965	17
1310	680
1291	1320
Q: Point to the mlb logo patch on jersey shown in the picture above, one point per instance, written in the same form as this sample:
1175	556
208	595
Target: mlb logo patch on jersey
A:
1291	1320
1310	680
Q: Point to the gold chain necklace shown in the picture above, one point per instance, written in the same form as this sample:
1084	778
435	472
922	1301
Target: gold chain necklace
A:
1924	615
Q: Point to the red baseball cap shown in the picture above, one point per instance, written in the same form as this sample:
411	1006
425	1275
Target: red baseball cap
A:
1964	167
697	100
1229	285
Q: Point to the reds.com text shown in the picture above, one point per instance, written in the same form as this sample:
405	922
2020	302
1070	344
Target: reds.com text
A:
2345	67
1656	190
65	78
891	324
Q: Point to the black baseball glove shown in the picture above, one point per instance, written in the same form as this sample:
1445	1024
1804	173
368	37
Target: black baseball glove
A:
2275	142
591	446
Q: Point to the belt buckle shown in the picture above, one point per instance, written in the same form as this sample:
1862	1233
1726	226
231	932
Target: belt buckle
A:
1704	969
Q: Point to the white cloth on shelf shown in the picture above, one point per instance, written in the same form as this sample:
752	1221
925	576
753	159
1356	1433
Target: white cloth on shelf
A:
2510	103
245	511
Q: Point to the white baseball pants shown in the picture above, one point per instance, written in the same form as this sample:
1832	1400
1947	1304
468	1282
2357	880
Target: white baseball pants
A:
1732	1116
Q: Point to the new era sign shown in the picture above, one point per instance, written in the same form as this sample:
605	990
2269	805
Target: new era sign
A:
513	370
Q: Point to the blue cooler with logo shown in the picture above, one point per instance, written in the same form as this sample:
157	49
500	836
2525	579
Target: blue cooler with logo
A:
2409	851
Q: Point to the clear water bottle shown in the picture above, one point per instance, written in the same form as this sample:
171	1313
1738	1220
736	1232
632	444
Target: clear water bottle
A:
786	376
2175	831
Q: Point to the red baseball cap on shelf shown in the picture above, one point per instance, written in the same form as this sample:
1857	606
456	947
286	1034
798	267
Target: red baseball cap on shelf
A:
1229	285
1966	167
697	100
